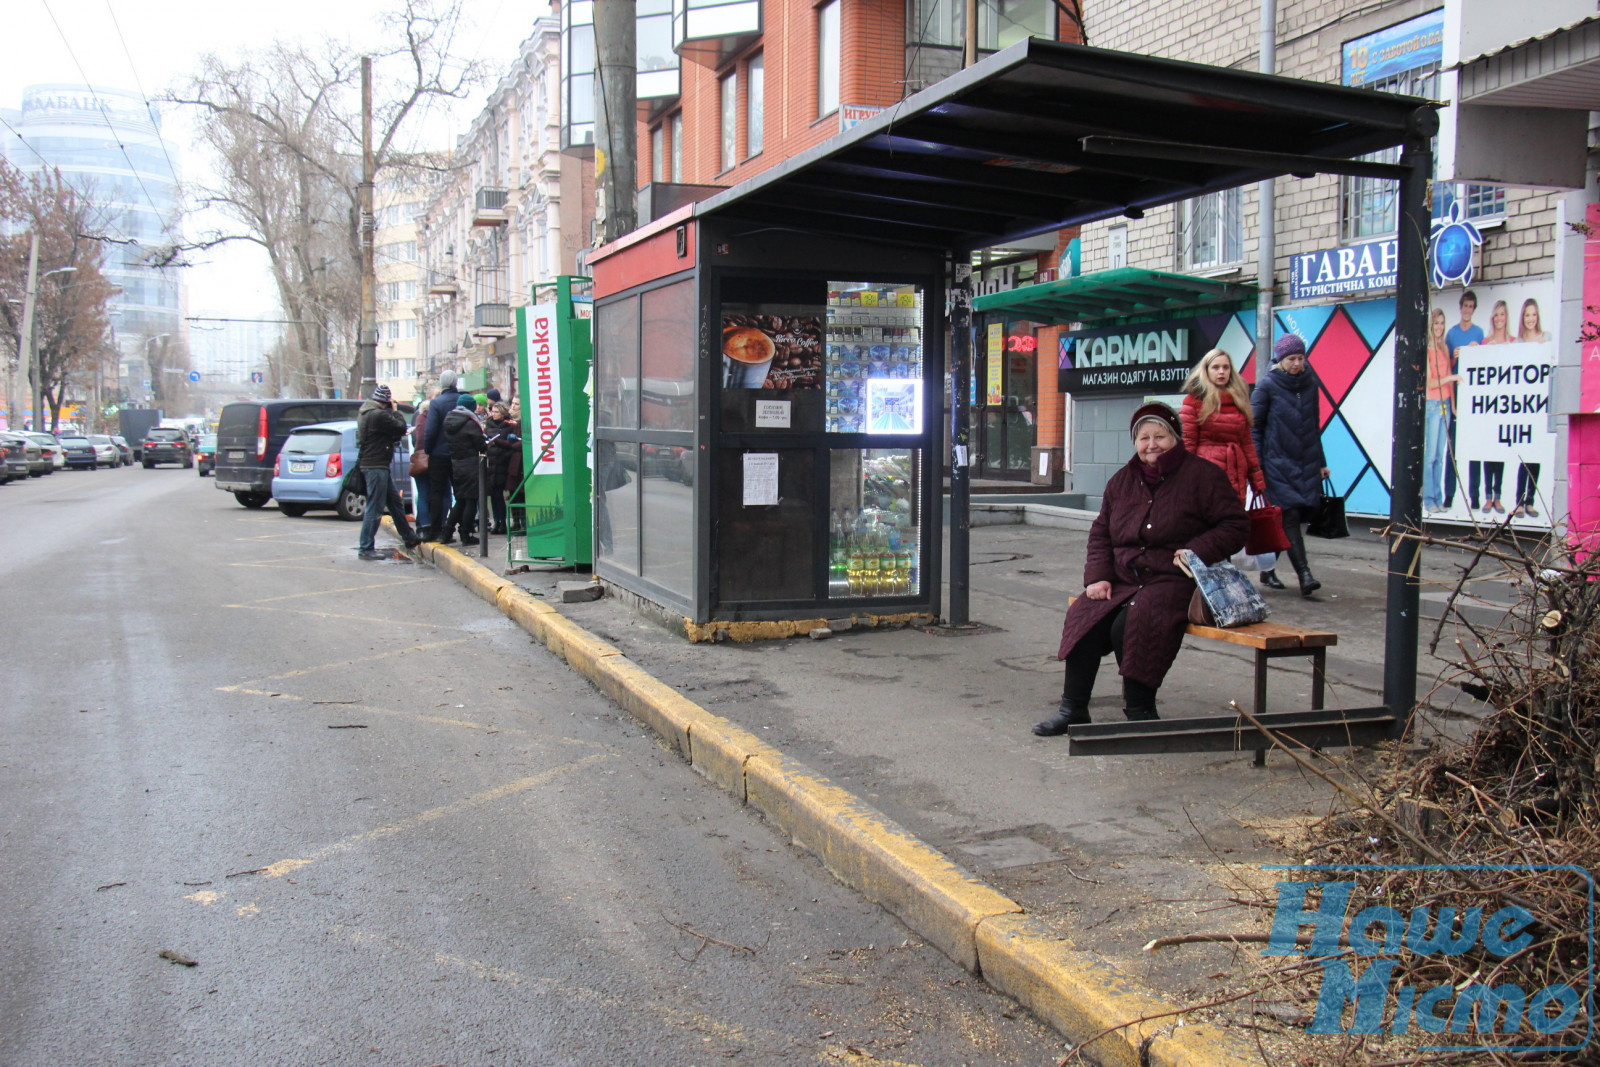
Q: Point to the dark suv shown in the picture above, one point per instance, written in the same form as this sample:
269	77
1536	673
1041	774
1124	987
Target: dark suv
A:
250	433
167	444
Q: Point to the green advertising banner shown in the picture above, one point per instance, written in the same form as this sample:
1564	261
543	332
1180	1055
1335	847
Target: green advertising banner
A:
553	358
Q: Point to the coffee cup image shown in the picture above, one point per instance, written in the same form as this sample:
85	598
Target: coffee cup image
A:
747	357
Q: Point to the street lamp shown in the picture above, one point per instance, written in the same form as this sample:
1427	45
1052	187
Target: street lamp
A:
26	348
148	341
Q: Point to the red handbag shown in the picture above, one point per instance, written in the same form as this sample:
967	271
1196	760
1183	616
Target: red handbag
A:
1266	528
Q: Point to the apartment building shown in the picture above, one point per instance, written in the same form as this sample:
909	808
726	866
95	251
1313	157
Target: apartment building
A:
506	215
397	205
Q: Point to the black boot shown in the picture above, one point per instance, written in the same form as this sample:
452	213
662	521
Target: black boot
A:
1070	714
1271	580
1308	584
1139	701
1292	518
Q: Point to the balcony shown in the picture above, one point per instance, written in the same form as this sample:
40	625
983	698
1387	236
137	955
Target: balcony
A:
442	283
490	208
491	320
711	32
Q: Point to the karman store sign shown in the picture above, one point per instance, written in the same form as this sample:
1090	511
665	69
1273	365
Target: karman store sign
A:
1150	355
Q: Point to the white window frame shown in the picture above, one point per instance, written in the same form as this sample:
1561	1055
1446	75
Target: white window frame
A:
1210	230
829	58
658	144
755	105
676	135
728	124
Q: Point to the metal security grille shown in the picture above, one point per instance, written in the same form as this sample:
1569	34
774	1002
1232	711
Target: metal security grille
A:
1211	230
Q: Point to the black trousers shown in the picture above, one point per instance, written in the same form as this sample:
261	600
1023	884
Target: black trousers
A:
1294	519
438	490
1083	664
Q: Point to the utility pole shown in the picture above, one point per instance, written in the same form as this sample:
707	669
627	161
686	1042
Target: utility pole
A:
1266	211
616	91
369	282
25	341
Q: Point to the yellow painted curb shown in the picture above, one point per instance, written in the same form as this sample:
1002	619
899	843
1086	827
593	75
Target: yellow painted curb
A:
875	855
1082	995
981	929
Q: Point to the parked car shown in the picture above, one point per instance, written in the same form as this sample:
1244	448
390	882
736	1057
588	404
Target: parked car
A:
250	433
124	450
105	452
205	454
167	444
53	459
79	452
19	455
317	469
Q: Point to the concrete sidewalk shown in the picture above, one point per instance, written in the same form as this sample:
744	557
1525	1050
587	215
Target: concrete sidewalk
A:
907	740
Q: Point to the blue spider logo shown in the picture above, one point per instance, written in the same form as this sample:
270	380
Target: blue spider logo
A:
1450	253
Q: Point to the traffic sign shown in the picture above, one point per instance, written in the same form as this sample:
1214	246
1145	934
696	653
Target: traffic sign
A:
255	377
194	376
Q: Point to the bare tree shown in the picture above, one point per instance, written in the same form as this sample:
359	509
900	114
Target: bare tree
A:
69	306
285	123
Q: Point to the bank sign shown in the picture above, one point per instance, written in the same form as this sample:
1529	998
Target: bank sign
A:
1335	272
1152	355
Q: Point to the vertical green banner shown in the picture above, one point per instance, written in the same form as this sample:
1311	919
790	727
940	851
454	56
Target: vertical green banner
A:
553	358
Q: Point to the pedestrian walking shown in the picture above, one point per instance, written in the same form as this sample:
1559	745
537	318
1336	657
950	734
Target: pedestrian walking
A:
505	441
1136	597
1216	426
437	446
467	443
1288	438
379	428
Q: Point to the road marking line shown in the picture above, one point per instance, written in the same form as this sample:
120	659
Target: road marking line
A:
352	618
345	589
283	867
347	663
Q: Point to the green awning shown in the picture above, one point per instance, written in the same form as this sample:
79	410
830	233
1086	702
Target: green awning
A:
1127	294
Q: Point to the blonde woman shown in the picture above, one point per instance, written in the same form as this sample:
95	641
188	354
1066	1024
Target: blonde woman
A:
1216	427
1531	328
1498	319
1439	406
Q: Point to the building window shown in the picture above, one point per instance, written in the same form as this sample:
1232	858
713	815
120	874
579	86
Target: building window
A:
1002	23
677	147
1211	230
828	58
730	120
658	165
398	252
755	109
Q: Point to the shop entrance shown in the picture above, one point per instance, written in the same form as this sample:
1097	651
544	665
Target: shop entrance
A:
1006	415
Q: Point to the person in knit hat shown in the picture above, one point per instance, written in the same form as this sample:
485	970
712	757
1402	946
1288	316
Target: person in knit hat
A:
1288	437
437	446
379	427
1136	598
465	434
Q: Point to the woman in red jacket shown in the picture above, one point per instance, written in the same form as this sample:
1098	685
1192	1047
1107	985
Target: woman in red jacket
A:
1216	426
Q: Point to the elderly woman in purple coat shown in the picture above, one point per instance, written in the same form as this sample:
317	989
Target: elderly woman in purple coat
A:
1137	597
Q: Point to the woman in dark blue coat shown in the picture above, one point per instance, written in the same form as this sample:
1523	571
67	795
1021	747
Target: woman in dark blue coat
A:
1288	437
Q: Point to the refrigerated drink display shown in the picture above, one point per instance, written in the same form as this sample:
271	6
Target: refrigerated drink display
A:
873	538
873	332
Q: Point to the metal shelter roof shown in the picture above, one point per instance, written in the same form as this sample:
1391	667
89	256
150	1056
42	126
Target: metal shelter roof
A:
1047	134
1126	293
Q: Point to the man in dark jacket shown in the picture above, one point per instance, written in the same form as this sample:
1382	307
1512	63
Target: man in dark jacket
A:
437	445
379	428
465	435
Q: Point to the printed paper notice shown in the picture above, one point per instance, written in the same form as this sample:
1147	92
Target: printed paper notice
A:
760	479
772	414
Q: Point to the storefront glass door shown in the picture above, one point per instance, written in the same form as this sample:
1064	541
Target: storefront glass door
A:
1007	395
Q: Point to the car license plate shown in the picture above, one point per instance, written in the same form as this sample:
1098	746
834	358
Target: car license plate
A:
236	457
301	466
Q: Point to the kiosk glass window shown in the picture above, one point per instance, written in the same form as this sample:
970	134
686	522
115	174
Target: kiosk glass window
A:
616	503
873	361
875	523
616	332
667	362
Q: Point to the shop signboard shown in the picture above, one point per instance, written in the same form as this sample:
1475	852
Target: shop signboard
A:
553	355
1148	357
1379	57
1335	272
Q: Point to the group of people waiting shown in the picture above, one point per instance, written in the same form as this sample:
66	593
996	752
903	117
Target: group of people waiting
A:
452	431
1186	488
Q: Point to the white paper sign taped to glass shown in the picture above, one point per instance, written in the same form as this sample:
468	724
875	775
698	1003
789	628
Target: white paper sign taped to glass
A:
760	479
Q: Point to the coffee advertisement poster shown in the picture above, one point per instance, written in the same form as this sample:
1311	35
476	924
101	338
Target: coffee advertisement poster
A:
771	346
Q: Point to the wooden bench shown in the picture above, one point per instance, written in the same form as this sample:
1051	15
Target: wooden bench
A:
1273	640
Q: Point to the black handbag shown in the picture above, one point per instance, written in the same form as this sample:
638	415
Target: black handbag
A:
1329	521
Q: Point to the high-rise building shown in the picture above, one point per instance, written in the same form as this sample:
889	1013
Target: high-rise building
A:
107	144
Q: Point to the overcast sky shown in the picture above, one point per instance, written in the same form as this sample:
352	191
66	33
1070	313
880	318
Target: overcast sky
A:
78	40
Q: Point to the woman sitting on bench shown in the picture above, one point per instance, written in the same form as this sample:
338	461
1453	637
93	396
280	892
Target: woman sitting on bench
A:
1137	599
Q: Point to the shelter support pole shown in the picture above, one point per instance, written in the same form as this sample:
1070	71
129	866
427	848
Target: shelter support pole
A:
1410	363
1266	210
960	439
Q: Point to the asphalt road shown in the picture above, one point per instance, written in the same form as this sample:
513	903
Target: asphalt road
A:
388	828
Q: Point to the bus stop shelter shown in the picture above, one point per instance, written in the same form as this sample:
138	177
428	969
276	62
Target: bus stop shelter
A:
1039	137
